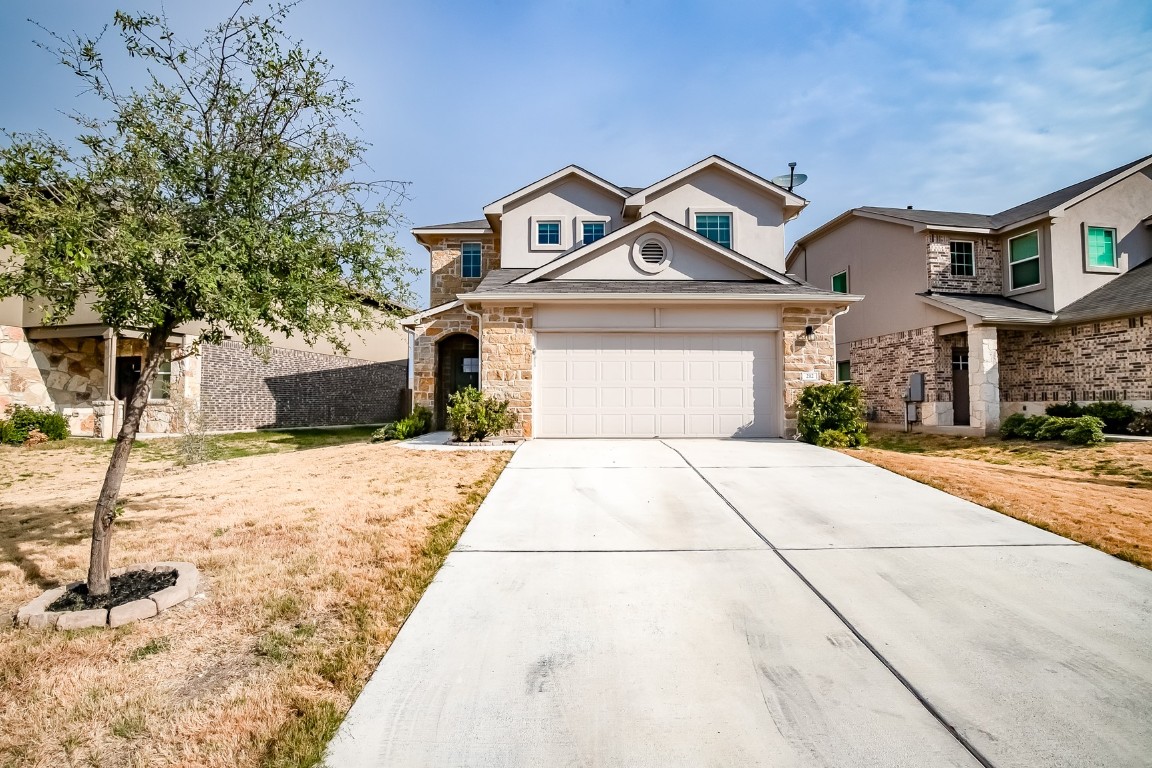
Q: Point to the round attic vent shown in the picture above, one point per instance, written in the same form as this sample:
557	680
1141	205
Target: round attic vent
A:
652	253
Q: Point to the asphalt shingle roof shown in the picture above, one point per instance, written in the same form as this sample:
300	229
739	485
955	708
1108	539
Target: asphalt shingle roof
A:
474	224
992	307
1128	294
500	281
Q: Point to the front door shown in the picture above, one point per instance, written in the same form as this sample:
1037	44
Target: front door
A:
459	367
960	406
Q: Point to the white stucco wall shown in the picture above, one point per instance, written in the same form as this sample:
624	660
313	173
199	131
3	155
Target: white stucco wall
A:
688	262
567	200
758	216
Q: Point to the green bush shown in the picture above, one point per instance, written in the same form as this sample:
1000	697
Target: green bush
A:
1053	427
827	408
1068	410
1086	430
413	425
1079	430
833	438
472	416
22	419
1142	424
1115	415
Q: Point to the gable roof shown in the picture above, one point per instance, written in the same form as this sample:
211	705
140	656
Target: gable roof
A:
988	307
641	196
660	222
496	208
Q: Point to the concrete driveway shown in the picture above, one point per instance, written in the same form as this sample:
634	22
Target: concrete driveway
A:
757	603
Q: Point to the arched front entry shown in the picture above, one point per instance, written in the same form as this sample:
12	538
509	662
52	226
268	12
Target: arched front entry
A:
457	366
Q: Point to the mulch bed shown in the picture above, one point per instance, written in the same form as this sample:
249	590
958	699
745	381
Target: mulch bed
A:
127	587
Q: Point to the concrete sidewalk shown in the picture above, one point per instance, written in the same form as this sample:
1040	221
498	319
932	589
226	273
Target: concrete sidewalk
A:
756	603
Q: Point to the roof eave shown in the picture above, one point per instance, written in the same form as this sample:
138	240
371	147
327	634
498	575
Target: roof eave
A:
983	319
497	207
635	201
594	296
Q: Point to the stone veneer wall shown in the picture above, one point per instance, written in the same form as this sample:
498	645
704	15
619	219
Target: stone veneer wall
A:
294	388
881	366
987	258
802	355
1108	360
424	351
506	360
445	278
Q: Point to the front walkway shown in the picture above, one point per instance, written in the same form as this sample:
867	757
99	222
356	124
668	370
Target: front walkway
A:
756	603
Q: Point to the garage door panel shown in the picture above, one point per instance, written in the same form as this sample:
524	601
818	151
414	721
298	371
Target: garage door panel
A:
657	384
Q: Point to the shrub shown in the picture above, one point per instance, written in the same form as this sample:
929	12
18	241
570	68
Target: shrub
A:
414	424
22	419
1086	430
8	433
1079	430
831	408
1013	426
472	416
1115	415
1142	424
833	438
1068	410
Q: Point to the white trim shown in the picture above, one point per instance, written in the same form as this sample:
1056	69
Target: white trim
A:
656	219
715	211
497	207
610	298
1098	270
640	198
1008	263
578	228
473	232
419	317
533	233
638	257
950	263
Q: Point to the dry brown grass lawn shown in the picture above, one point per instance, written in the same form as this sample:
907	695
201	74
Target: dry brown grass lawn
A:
1100	495
309	563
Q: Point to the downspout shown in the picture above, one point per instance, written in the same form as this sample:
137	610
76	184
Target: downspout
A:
411	331
110	339
479	344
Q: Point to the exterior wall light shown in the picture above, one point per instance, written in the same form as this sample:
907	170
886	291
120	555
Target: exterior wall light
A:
809	333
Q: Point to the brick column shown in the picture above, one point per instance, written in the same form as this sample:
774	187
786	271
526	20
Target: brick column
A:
984	377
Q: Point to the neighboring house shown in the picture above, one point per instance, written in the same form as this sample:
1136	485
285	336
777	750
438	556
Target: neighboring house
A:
600	310
84	370
1048	301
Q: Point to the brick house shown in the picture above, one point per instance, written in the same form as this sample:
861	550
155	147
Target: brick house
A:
1048	301
601	310
84	370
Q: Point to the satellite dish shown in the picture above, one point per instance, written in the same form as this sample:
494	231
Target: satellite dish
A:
790	180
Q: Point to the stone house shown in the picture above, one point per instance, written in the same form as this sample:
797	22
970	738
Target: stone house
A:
1048	301
610	311
85	370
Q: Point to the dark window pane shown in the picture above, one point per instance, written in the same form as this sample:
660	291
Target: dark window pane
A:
1023	247
1026	273
840	282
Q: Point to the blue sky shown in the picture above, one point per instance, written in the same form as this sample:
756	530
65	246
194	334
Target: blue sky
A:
971	106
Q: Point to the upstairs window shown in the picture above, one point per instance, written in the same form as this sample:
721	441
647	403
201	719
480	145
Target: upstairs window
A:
470	259
1024	261
963	258
592	231
840	282
1100	244
547	233
717	227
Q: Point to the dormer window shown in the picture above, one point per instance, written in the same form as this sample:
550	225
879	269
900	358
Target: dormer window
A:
717	227
470	260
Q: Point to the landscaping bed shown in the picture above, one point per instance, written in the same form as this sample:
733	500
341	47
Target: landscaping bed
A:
309	561
1098	495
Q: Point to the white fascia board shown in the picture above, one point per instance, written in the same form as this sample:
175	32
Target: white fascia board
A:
497	208
419	317
669	226
641	197
461	231
712	298
962	230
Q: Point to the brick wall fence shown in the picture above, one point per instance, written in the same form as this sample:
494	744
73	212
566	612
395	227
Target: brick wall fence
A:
1108	360
294	388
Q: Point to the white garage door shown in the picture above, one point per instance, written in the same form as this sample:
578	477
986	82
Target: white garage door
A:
656	384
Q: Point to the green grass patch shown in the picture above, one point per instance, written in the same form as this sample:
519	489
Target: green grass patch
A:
300	742
151	648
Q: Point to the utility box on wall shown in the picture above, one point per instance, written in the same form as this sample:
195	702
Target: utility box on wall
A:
916	388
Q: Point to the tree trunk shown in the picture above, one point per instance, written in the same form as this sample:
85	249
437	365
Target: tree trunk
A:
99	580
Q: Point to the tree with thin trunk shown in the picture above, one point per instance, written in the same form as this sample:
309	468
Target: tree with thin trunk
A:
220	192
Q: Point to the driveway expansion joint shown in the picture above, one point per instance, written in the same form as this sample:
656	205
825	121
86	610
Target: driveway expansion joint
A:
939	717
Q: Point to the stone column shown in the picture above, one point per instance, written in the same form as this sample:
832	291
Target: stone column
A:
984	377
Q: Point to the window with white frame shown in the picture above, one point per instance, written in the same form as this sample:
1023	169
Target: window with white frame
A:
840	282
963	258
591	231
717	227
470	259
1024	261
1100	249
548	232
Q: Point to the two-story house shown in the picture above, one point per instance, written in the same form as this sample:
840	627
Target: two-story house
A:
605	311
1047	301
